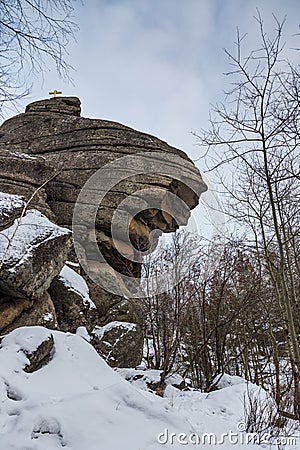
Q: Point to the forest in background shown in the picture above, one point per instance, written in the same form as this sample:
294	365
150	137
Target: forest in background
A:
235	304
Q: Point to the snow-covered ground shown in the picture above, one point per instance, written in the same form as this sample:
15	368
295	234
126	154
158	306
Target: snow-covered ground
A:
78	402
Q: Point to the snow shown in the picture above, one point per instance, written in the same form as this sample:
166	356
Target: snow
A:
48	317
75	283
19	240
219	417
82	332
23	155
226	380
146	379
27	339
72	264
126	326
140	378
213	412
78	402
9	202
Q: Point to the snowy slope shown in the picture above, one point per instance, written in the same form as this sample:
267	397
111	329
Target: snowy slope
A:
78	402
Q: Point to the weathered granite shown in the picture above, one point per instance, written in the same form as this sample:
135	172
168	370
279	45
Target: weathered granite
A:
46	155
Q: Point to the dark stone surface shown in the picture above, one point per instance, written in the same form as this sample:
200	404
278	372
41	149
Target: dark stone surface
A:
40	357
120	344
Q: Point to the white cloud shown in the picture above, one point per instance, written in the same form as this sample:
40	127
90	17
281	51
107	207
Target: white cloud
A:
156	65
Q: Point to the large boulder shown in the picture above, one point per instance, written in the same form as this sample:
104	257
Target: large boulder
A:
76	147
47	155
119	343
73	305
112	307
19	312
33	251
34	347
26	176
11	207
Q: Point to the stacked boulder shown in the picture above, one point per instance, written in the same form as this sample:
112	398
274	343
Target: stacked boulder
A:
47	155
33	251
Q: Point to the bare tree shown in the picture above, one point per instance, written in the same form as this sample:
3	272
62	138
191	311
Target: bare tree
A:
258	128
32	32
262	418
165	312
224	328
209	321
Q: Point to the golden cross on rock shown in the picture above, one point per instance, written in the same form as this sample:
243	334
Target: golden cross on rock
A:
55	92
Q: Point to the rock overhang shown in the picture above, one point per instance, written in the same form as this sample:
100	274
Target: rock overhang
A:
72	148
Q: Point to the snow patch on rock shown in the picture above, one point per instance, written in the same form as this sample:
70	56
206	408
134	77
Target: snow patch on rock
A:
74	282
99	332
19	240
9	202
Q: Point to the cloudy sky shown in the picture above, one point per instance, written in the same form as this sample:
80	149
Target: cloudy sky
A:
157	65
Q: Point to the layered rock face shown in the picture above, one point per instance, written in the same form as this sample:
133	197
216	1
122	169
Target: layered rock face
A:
47	155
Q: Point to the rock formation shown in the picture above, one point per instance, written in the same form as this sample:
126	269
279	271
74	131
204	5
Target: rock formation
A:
47	154
34	348
111	340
